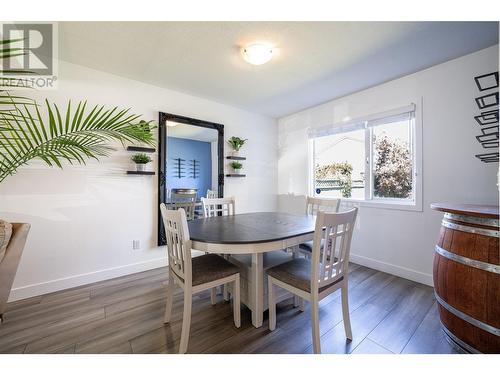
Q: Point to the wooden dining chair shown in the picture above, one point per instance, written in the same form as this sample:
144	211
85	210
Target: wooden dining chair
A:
193	275
317	278
187	201
211	194
215	207
313	205
218	206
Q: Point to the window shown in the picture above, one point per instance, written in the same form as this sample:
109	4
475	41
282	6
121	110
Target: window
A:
340	165
392	159
370	160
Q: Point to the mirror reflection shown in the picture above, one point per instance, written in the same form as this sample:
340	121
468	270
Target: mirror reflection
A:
191	166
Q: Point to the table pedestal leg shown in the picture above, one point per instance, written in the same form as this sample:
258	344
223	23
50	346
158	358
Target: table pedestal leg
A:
295	253
257	289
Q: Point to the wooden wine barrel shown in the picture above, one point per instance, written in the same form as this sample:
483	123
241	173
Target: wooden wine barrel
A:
467	276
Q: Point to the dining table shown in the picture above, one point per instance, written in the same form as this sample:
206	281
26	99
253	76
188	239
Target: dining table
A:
255	234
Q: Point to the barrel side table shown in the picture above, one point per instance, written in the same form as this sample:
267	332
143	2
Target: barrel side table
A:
467	276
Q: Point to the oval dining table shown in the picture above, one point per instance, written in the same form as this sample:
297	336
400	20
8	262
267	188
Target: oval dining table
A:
252	233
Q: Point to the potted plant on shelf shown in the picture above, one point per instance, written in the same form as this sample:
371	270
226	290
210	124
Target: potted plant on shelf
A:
236	143
237	166
140	161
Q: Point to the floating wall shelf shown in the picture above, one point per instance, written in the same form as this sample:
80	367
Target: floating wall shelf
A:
236	158
140	149
236	175
145	173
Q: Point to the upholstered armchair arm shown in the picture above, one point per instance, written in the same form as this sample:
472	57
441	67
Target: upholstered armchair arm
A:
10	262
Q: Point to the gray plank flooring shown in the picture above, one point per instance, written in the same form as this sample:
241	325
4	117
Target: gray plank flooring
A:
125	315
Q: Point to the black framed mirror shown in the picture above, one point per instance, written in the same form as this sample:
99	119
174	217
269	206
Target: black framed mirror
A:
183	162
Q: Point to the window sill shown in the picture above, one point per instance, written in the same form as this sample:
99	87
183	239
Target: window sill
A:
402	206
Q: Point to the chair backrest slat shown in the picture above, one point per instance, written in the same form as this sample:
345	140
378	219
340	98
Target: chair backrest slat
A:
331	261
323	255
342	248
178	242
215	206
313	205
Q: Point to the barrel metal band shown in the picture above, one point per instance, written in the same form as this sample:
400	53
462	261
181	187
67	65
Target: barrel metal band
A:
465	228
462	345
467	318
472	219
467	261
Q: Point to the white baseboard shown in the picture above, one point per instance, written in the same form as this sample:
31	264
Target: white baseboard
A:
50	286
403	272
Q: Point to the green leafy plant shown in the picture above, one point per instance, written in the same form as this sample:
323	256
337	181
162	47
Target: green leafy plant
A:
236	165
236	142
141	159
144	125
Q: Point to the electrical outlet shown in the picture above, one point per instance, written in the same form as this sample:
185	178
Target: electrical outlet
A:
136	245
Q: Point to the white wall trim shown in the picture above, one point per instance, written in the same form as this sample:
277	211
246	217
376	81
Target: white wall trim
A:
392	269
50	286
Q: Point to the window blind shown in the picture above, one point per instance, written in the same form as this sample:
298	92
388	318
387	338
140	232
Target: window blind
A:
394	115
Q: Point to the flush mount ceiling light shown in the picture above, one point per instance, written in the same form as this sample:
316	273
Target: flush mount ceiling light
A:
171	124
257	54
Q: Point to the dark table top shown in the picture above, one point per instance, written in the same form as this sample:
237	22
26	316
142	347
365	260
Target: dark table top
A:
248	228
467	209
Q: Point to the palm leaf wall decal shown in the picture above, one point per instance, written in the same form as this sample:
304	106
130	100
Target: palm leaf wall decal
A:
70	135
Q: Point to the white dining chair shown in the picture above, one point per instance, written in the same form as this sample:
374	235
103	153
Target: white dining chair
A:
193	275
326	272
215	207
313	205
218	206
211	194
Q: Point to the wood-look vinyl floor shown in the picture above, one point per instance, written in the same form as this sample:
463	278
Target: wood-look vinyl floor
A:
125	315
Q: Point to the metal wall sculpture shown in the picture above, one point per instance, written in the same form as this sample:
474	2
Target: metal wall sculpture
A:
487	84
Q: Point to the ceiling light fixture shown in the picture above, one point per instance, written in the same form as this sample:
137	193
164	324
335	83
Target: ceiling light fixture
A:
171	124
257	54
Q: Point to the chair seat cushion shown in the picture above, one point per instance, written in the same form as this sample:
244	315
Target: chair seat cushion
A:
308	246
297	273
211	267
5	234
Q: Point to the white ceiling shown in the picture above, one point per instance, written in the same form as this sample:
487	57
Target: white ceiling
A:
313	62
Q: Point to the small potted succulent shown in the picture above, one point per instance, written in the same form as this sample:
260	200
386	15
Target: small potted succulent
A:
236	143
140	161
237	166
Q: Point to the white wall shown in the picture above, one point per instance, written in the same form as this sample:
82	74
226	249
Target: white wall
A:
215	170
402	242
85	218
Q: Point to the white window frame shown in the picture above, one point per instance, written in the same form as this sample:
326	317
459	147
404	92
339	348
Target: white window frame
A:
414	204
